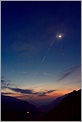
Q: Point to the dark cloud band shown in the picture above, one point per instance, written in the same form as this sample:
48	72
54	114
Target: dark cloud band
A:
69	72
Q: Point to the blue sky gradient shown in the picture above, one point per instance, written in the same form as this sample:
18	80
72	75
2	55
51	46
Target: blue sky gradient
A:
27	30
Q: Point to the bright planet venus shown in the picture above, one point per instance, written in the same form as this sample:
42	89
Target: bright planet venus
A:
60	36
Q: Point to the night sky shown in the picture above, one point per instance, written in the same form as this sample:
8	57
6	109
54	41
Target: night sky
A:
36	64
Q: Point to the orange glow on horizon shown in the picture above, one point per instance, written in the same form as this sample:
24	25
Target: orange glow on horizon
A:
47	96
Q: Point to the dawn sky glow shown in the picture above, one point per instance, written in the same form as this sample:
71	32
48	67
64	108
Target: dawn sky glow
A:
40	49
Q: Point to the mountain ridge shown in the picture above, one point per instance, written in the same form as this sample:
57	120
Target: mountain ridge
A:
69	109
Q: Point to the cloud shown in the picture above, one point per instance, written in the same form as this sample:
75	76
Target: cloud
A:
46	92
65	75
69	72
6	83
24	72
42	94
6	93
47	74
24	91
3	81
31	92
50	91
74	67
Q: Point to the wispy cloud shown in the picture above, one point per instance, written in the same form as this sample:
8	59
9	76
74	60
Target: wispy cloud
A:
12	70
24	72
65	75
46	92
4	83
74	67
69	72
47	74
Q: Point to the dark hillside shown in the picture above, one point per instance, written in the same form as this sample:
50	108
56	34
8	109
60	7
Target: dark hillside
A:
13	109
67	110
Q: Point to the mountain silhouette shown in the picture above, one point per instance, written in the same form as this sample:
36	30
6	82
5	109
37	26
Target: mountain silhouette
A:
13	109
69	109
